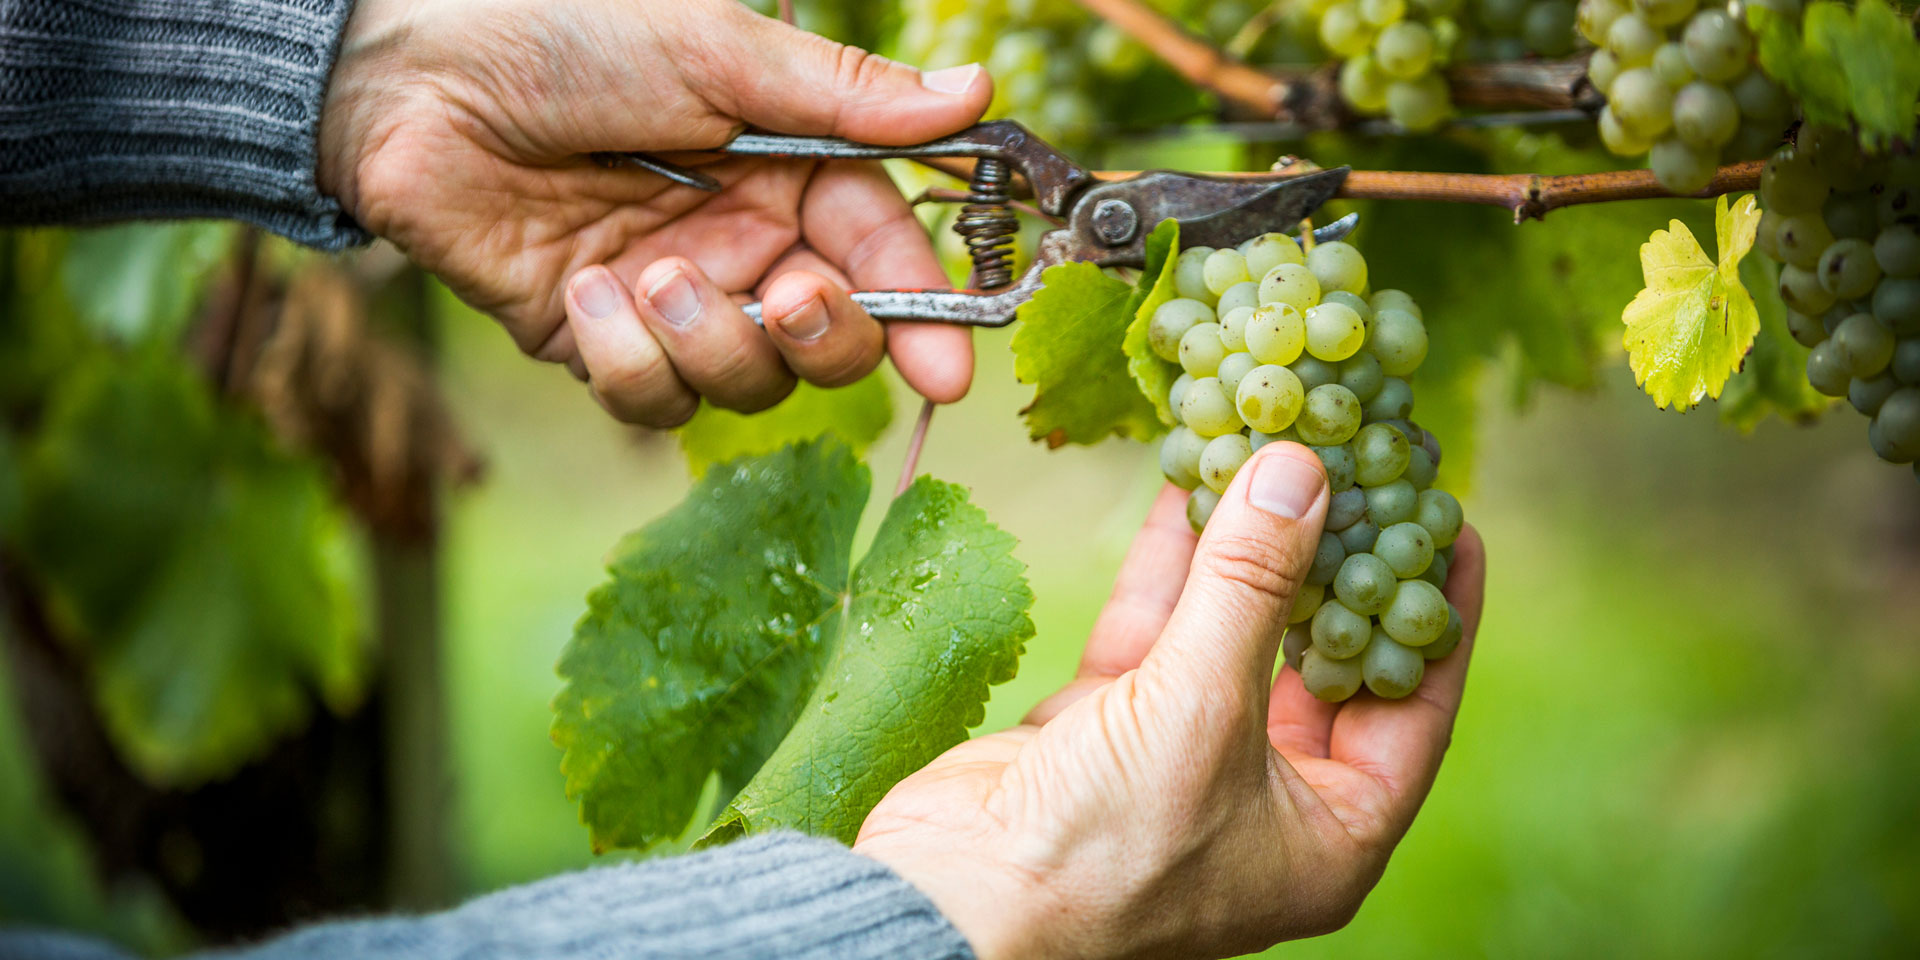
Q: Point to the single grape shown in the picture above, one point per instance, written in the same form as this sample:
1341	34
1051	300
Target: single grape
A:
1222	269
1177	392
1896	301
1334	331
1419	106
1201	350
1670	65
1329	679
1342	31
1206	409
1391	299
1233	328
1360	536
1395	501
1327	559
1594	17
1633	40
1380	13
1862	345
1906	362
1180	457
1233	369
1440	513
1338	265
1276	333
1717	45
1189	275
1642	102
1827	371
1352	301
1800	290
1329	415
1400	341
1403	51
1171	321
1705	115
1897	251
1681	168
1899	426
1548	28
1789	185
1406	547
1339	463
1346	508
1418	614
1339	631
1200	504
1269	398
1361	373
1867	396
1314	372
1802	239
1295	644
1365	584
1292	284
1851	214
1436	572
1835	154
1848	269
1381	453
1270	250
1806	330
1390	669
1761	99
1602	69
1395	401
1449	639
1421	470
1618	140
1257	439
1239	296
1222	459
1662	13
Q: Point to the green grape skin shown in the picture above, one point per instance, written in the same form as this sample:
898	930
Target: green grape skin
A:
1662	13
1449	639
1206	409
1176	393
1395	501
1337	265
1352	301
1897	251
1404	50
1800	289
1899	426
1295	644
1896	301
1848	269
1395	401
1400	341
1670	65
1618	140
1835	153
1417	615
1382	454
1270	250
1406	547
1603	68
1327	679
1339	631
1223	269
1342	31
1766	236
1906	361
1789	185
1327	559
1419	106
1171	321
1339	463
1314	372
1806	330
1334	332
1826	371
1755	138
1292	284
1436	571
1633	40
1276	333
1189	275
1345	508
1851	214
1359	537
1802	239
1233	370
1761	99
1222	459
1200	504
1380	13
1705	115
1233	328
1717	45
1867	396
1862	345
1180	457
1391	299
1240	295
1681	168
1256	439
1642	102
1361	374
1329	415
1365	584
1548	28
1269	399
1201	350
1440	513
1593	17
1391	670
1899	203
1421	470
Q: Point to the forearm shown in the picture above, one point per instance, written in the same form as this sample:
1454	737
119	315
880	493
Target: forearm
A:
783	896
136	109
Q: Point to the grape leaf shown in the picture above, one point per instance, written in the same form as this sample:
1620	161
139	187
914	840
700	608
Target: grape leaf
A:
1774	378
1689	328
1845	66
1155	287
204	571
938	613
140	281
856	413
701	651
1068	346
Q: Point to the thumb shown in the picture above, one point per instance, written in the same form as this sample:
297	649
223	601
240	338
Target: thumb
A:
787	80
1248	568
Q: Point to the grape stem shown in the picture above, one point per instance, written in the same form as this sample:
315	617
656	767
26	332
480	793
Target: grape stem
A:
912	464
1311	97
786	11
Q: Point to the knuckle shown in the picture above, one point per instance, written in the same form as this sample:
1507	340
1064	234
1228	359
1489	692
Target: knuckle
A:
1251	565
856	69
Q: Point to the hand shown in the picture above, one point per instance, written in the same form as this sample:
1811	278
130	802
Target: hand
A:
462	131
1170	801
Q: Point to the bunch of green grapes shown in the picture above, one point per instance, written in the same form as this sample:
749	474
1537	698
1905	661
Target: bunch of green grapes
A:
1500	30
1681	85
1845	228
1047	57
1392	54
1303	354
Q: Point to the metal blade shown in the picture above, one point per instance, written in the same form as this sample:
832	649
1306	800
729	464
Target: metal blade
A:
1267	206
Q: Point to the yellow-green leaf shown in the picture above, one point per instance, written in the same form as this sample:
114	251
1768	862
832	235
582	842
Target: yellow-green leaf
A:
1154	375
1069	347
856	413
1690	328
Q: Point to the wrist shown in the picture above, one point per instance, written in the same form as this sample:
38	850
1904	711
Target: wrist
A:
1003	914
366	80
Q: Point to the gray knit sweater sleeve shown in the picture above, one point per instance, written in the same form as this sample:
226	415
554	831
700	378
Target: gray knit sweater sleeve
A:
780	896
150	109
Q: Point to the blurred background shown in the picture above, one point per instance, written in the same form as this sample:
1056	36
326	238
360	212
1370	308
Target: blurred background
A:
1689	728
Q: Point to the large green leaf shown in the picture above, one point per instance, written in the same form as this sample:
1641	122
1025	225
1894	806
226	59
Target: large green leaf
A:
856	413
1068	346
140	281
938	612
700	652
1690	328
1845	66
1154	376
205	572
1774	377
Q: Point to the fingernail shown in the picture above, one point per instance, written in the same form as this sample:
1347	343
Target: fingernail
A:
951	79
808	322
1284	486
674	297
595	294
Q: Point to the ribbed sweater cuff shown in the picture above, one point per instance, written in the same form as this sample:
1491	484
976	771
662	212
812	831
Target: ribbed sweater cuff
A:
148	109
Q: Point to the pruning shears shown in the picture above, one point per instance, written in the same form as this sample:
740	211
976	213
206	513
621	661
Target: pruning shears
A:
1106	221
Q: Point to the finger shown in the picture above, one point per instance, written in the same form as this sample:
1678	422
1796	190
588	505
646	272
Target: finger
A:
629	372
721	353
1225	632
1144	595
1400	743
780	78
824	336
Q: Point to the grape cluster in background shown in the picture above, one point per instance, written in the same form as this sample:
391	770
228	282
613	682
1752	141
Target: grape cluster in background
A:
1845	228
1681	85
1280	344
